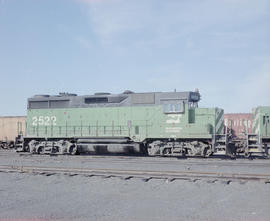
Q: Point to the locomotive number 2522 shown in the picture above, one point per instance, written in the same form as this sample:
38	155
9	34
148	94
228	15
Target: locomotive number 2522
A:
44	121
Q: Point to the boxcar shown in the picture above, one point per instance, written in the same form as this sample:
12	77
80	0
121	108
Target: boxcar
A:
10	128
239	124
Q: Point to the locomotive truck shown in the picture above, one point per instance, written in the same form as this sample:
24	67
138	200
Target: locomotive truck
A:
154	123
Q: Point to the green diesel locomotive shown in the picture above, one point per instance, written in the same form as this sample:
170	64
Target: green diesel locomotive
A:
259	141
156	123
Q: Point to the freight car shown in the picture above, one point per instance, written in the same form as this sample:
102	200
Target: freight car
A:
157	123
238	125
11	127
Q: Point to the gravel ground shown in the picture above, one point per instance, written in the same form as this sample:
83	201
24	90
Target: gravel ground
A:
61	197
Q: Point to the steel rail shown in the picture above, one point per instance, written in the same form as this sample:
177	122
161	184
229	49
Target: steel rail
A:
146	174
161	160
148	160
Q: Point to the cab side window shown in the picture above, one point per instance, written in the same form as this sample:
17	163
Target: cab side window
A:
173	107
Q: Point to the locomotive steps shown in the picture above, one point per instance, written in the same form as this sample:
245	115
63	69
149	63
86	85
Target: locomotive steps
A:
146	175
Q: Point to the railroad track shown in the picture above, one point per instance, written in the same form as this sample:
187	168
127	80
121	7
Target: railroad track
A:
160	160
145	160
146	175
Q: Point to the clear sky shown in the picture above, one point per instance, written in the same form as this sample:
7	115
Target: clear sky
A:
221	47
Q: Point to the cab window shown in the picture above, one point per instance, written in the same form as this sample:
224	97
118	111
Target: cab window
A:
173	108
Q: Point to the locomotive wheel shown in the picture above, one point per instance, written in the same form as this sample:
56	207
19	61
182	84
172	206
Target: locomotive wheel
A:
4	146
153	150
40	150
207	152
247	154
72	149
166	152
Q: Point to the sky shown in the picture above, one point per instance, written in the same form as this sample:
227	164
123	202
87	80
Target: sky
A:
221	47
